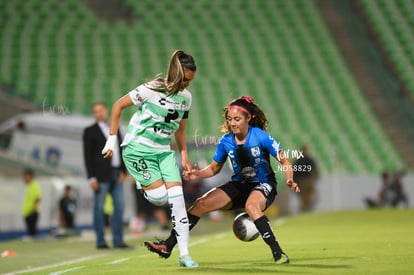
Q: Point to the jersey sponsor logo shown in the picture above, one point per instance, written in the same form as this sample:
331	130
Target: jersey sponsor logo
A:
177	105
172	115
255	151
248	172
162	101
162	131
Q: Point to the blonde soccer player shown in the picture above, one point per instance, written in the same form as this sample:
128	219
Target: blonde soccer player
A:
163	105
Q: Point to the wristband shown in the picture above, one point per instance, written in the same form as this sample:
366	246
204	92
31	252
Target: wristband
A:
110	144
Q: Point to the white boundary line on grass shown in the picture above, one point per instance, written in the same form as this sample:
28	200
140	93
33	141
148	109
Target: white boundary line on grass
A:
145	255
280	222
204	240
119	261
199	242
221	235
39	268
66	270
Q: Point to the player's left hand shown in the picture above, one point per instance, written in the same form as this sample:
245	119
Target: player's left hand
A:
293	186
186	164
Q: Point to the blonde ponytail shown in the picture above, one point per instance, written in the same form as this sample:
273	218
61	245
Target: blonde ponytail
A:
175	73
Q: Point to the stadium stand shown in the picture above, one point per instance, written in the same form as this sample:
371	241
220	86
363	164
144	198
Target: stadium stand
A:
393	22
279	52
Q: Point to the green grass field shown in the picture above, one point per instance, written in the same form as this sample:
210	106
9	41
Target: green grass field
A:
346	242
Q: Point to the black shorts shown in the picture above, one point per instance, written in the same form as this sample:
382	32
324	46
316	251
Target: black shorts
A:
239	192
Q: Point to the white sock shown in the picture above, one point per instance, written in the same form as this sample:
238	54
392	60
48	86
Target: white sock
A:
179	218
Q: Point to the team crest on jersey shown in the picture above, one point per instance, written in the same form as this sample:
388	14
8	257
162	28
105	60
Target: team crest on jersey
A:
255	151
146	175
181	106
139	97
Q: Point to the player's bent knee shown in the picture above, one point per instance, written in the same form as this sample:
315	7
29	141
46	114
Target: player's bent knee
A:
201	206
252	208
157	196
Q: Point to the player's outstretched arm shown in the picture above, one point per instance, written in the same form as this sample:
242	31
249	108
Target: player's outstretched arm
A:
180	139
287	168
117	108
212	169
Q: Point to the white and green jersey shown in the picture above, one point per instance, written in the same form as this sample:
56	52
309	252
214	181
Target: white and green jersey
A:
157	118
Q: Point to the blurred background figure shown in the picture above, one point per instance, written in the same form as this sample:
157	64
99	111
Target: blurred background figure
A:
397	190
67	210
105	176
31	202
384	195
306	175
108	210
146	212
192	190
391	193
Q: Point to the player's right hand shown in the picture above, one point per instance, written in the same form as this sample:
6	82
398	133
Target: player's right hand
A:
107	151
192	174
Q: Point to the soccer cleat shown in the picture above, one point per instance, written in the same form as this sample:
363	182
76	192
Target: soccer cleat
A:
158	247
187	261
281	258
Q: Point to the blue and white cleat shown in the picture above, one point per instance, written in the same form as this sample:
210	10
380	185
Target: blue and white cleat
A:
187	261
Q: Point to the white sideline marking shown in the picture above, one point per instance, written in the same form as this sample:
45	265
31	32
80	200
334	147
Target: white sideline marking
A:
221	236
66	270
39	268
198	242
280	222
119	261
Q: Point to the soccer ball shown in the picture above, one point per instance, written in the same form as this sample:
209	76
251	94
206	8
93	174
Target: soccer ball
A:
244	228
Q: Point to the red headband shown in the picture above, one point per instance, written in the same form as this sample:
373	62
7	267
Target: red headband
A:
247	99
240	108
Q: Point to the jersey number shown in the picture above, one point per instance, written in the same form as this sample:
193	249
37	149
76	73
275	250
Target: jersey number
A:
140	165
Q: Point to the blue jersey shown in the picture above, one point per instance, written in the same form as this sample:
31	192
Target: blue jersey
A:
250	161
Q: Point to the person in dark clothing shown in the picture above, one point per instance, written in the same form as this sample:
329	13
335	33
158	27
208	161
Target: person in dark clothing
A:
306	174
396	190
67	207
391	192
105	176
